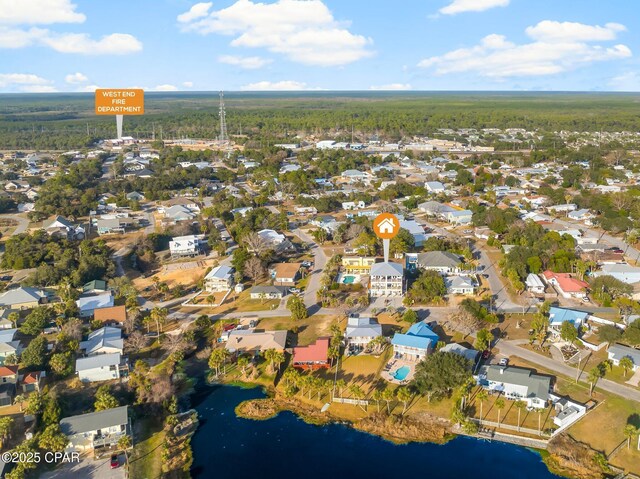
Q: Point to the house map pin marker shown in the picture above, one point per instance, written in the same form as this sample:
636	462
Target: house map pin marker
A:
386	226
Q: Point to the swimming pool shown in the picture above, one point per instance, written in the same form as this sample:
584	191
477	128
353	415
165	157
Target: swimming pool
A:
401	373
348	279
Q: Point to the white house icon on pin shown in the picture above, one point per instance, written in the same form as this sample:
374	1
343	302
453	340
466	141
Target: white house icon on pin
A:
386	226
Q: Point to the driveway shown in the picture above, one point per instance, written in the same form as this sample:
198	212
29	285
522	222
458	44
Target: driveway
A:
23	223
87	468
320	259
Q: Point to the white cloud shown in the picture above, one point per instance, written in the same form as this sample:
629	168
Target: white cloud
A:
304	31
39	12
460	6
187	84
629	81
89	88
248	63
391	86
550	31
75	78
285	85
199	10
113	44
25	82
497	57
15	15
165	87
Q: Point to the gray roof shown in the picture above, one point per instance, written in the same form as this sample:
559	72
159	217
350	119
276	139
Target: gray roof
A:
439	259
107	336
459	349
619	351
97	361
220	272
95	420
358	327
537	386
20	295
386	269
268	289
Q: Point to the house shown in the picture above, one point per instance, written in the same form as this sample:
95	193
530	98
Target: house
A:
416	343
267	292
88	303
7	393
444	262
416	230
190	245
386	279
517	384
22	298
534	284
460	285
313	356
353	205
618	351
557	316
567	286
581	215
8	374
285	274
434	187
435	209
564	208
102	367
361	330
354	176
8	344
96	429
250	341
242	211
178	213
219	279
185	202
459	349
5	322
95	286
135	196
110	226
106	340
621	271
357	264
567	410
61	227
32	381
114	314
459	217
275	240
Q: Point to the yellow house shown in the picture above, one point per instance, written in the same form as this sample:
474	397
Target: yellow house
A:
357	264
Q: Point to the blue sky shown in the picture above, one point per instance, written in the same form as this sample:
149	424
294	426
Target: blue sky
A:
78	45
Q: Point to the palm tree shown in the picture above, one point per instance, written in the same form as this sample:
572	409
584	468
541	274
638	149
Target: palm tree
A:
243	362
499	404
377	397
357	393
19	399
626	363
218	358
387	396
482	396
6	423
340	385
519	405
275	358
404	395
594	374
540	411
629	431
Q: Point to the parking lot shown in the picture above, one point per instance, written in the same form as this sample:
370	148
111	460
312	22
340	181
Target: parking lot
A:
88	468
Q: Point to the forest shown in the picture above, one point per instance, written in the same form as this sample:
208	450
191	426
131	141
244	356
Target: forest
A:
266	118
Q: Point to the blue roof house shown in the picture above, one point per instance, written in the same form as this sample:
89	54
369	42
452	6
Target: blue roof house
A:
557	316
416	343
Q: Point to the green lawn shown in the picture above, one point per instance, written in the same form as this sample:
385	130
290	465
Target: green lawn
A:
145	461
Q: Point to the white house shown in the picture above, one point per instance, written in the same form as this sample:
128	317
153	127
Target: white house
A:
190	245
534	284
106	340
386	279
87	304
219	279
103	367
618	351
434	187
353	205
516	384
460	285
444	262
361	331
267	292
96	429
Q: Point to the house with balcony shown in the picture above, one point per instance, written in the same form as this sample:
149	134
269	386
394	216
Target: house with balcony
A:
361	330
96	430
516	384
219	279
357	264
386	279
313	356
191	245
102	367
416	343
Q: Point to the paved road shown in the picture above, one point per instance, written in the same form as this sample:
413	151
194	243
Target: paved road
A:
87	468
23	223
511	348
320	259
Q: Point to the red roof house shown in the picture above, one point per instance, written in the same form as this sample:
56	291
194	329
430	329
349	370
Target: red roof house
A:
567	286
314	356
8	374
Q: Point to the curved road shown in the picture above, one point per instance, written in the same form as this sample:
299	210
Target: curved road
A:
23	223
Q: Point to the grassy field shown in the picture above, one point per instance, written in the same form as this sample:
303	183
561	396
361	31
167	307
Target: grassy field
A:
145	461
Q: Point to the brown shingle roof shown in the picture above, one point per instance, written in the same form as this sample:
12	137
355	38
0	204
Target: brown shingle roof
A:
114	313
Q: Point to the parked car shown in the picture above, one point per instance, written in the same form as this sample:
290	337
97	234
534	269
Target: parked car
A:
115	462
294	290
504	362
6	278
